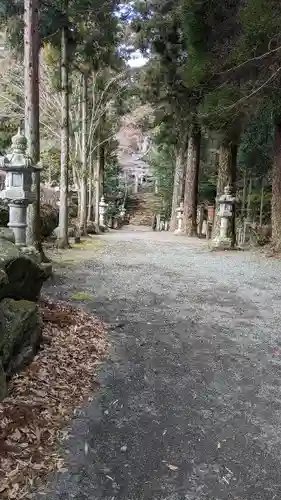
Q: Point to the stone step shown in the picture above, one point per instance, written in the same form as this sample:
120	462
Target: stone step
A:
142	207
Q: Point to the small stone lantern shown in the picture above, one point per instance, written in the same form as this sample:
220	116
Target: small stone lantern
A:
102	210
18	187
122	213
179	216
226	206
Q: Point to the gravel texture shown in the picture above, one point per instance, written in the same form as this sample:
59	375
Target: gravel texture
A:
190	402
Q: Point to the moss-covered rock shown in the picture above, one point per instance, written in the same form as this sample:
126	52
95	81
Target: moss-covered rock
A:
7	251
24	274
20	334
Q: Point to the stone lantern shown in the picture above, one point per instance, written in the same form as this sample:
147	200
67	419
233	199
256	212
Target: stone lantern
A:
18	187
179	216
102	210
226	212
122	213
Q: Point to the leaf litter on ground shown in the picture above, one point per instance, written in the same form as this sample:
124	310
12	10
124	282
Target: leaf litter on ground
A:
44	397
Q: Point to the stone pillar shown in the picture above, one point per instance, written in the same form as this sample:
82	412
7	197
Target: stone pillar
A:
179	211
18	222
102	209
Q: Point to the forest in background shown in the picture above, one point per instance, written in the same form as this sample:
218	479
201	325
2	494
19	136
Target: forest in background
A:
209	94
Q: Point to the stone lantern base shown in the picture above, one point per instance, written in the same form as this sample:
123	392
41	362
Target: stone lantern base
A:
179	231
221	244
17	221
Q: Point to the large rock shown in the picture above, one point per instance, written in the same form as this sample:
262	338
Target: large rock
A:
20	336
7	250
21	279
23	275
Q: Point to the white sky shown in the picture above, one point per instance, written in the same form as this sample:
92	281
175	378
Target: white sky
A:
137	60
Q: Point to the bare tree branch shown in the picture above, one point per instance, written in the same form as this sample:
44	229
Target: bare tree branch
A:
251	59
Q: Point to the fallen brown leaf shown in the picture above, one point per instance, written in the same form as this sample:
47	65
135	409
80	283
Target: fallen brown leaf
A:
42	399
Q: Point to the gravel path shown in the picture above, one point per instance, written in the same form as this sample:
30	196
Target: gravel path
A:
190	402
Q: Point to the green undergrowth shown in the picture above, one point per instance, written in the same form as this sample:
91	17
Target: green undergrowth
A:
79	252
87	244
81	296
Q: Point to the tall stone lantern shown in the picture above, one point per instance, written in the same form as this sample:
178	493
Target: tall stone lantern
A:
102	209
179	216
226	204
18	187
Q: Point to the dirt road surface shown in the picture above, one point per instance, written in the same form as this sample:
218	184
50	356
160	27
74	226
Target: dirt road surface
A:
189	406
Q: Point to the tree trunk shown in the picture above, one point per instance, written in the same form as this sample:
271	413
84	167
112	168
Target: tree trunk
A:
98	175
226	175
223	178
243	208
101	169
63	214
91	134
97	190
83	210
262	202
102	153
233	175
276	190
178	190
191	183
249	199
183	178
90	188
31	97
79	202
